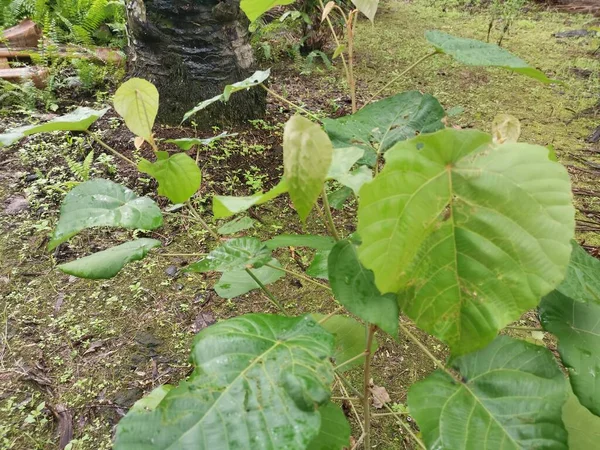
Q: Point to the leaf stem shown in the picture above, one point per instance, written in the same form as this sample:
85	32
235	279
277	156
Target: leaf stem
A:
330	315
367	385
105	146
196	216
360	355
328	215
293	105
351	80
393	80
268	293
299	275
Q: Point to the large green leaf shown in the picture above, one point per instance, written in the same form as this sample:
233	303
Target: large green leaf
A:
225	206
318	267
341	165
236	225
477	53
103	203
151	401
354	287
471	235
238	282
367	7
577	327
178	175
307	155
235	254
378	126
78	120
255	8
257	384
187	143
334	433
510	397
349	340
258	77
108	263
136	101
301	240
582	282
583	427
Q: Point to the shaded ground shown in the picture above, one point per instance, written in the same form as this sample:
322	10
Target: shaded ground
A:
87	350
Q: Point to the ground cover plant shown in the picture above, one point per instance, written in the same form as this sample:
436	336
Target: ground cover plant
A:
461	231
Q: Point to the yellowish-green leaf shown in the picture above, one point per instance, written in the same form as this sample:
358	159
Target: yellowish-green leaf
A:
136	101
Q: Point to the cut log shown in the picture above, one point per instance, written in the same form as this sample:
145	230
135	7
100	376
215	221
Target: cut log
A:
100	54
25	34
39	75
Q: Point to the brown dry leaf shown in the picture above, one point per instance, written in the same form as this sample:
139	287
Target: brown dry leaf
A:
138	142
203	320
65	424
380	396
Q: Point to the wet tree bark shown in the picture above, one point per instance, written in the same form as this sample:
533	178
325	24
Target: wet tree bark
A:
190	50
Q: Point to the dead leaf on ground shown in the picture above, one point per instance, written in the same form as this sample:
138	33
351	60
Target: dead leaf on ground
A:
380	396
65	424
203	320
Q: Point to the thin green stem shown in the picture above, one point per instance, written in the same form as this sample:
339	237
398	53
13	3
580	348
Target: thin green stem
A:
328	215
348	361
268	293
293	105
196	216
412	66
337	42
367	385
330	315
300	276
105	146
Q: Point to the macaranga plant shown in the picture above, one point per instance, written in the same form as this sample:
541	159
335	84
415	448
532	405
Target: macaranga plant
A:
458	230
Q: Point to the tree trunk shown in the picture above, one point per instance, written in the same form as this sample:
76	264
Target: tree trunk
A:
190	50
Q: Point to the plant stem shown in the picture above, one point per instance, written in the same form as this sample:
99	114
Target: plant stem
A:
196	216
524	328
412	66
328	215
389	414
422	346
293	105
360	355
330	315
345	392
366	385
351	81
105	146
300	276
337	42
268	293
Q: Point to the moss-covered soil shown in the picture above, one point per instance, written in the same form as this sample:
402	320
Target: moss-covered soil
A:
75	354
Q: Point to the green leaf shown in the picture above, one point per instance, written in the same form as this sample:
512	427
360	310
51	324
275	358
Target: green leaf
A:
583	427
78	120
235	254
225	206
367	7
178	175
338	51
510	397
334	433
107	263
341	165
136	101
258	77
476	53
255	8
349	340
319	267
354	287
236	225
470	235
339	197
379	125
238	282
301	240
356	179
307	155
187	143
577	327
151	401
102	203
257	382
582	282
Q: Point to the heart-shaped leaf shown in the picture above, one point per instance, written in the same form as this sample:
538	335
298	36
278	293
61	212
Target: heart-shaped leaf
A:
238	282
476	53
107	263
318	266
136	101
255	8
470	235
378	126
307	155
103	203
258	382
367	7
178	175
78	120
510	397
354	287
235	254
